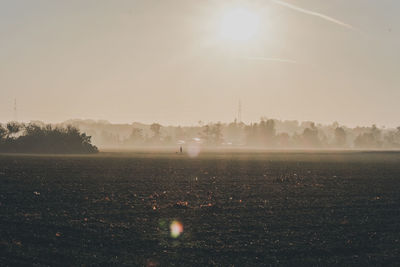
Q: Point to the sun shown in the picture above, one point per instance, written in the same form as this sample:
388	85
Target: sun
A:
239	24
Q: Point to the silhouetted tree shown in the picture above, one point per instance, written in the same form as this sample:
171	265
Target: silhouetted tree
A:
392	139
310	136
340	137
155	128
212	134
233	132
3	132
206	134
267	132
135	138
370	139
13	128
252	137
36	139
365	140
376	132
216	132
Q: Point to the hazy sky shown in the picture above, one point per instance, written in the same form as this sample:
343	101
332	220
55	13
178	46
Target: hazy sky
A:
166	61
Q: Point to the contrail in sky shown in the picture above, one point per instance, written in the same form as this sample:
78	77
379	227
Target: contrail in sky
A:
316	14
283	60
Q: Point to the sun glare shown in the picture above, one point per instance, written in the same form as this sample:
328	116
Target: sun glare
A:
239	24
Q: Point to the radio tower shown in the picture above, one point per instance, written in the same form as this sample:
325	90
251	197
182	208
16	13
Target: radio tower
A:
240	111
15	110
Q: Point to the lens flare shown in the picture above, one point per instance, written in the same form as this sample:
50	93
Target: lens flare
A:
176	229
193	150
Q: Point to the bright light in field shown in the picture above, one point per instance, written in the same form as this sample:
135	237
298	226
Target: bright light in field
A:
193	150
239	25
176	229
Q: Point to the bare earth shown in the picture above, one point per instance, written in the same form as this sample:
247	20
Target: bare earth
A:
242	209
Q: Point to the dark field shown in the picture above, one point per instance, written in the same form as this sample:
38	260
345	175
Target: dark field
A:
236	209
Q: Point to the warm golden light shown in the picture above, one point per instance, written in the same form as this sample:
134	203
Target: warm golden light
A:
239	24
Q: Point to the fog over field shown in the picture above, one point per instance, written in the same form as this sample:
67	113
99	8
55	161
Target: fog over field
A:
264	134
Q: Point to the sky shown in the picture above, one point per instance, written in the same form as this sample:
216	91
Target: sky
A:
170	61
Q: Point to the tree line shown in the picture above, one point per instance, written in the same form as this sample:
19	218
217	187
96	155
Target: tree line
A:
77	136
267	133
35	138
